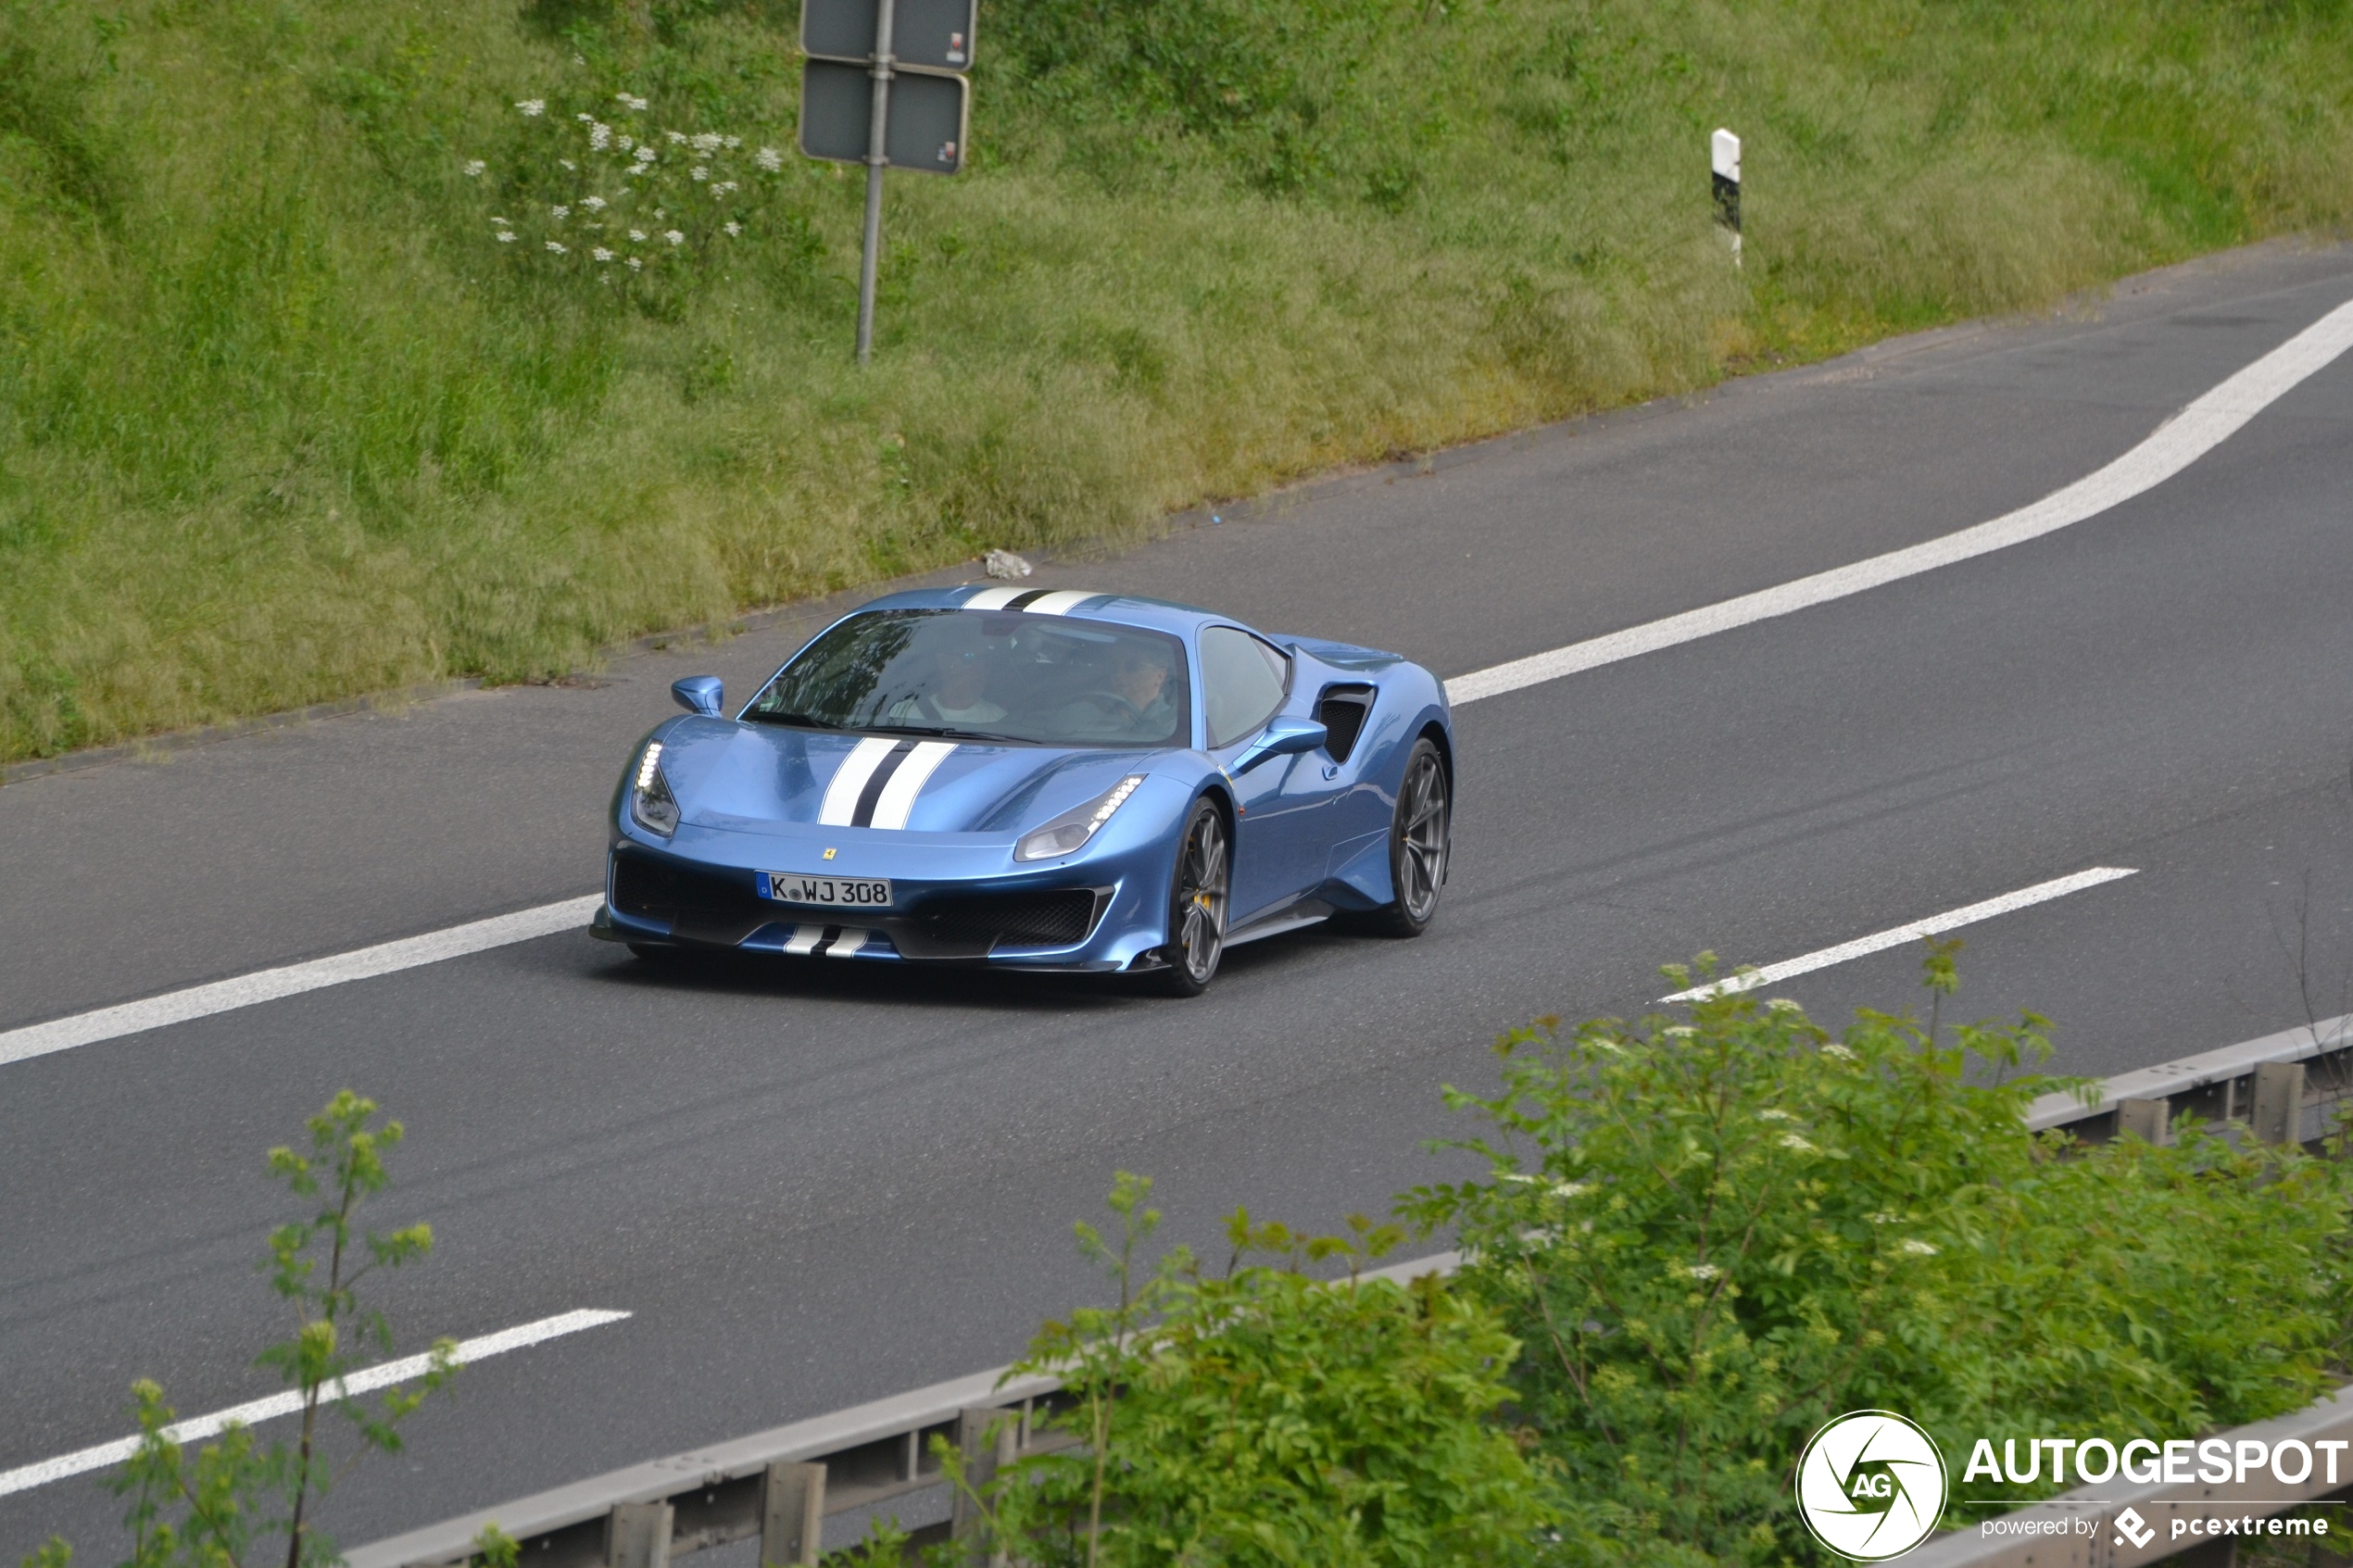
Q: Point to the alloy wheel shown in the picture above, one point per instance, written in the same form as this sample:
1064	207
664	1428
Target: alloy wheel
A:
1204	874
1422	837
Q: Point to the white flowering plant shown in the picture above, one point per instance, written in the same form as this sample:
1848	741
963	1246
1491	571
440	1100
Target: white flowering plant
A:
606	194
1773	1227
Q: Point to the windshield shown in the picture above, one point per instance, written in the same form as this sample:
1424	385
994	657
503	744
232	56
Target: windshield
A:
985	675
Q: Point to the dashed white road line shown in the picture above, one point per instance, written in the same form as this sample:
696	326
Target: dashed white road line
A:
196	1428
269	985
1969	915
2176	444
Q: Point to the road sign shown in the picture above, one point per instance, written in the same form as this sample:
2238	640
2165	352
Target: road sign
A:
925	34
859	50
925	121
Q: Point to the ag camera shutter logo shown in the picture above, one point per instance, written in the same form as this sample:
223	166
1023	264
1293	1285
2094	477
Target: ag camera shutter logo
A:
1870	1485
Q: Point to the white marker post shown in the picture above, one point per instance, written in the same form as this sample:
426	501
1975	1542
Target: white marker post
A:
1724	155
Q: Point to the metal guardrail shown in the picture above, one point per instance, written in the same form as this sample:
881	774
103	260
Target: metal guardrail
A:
781	1485
2303	1073
777	1485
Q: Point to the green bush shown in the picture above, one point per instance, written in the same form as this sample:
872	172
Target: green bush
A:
1700	1237
1266	1417
1714	1234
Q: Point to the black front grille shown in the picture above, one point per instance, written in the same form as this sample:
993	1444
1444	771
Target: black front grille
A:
724	906
968	925
707	905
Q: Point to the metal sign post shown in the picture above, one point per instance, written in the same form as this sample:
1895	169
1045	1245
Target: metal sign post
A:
878	132
883	85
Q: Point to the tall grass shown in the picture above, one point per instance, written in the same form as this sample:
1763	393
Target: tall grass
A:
281	420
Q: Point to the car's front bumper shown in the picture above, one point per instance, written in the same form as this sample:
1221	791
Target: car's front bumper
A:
1101	913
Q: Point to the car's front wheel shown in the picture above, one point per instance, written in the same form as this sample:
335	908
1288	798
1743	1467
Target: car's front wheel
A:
1197	903
1420	838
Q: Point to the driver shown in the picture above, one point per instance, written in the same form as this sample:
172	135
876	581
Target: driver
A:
958	693
1141	674
1137	702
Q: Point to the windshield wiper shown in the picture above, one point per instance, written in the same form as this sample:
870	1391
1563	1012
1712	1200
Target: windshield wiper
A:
809	720
948	732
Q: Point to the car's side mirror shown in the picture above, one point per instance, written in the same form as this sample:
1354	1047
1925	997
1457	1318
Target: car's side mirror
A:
699	694
1282	737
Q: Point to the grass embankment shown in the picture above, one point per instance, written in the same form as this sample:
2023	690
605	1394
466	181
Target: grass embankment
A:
281	420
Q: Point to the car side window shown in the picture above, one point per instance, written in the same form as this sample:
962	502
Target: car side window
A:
1243	681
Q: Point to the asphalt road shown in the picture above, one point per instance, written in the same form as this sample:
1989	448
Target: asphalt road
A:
814	1188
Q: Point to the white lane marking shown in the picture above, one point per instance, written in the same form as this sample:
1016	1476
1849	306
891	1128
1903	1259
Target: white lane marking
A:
197	1427
850	780
2176	444
1061	601
897	798
2042	892
269	985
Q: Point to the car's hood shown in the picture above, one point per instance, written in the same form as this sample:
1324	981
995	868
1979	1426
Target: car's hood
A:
761	777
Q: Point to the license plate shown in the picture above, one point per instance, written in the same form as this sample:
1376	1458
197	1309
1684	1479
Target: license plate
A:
833	892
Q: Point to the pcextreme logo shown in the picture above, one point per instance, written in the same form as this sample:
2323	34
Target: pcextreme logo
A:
1870	1485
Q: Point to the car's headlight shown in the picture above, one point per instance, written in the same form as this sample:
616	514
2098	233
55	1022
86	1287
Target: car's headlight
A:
1069	833
650	802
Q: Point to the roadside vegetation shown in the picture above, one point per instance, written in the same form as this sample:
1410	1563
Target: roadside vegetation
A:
1700	1237
240	1502
283	419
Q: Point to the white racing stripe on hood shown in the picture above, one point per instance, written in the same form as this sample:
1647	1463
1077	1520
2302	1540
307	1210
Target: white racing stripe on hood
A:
899	795
1063	602
850	780
992	598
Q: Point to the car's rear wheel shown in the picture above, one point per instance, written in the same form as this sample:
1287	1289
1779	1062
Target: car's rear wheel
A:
1197	904
1420	838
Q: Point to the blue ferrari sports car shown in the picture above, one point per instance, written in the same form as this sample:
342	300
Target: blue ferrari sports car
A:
1037	780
